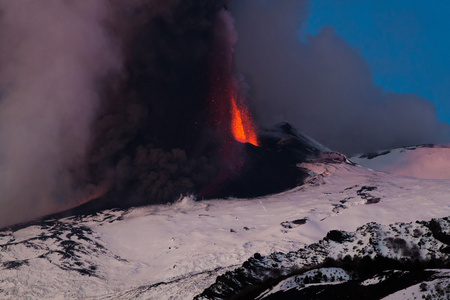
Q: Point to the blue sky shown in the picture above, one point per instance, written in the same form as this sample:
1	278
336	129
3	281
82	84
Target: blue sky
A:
405	42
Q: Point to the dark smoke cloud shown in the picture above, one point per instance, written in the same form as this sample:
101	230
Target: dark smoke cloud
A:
323	85
151	143
103	100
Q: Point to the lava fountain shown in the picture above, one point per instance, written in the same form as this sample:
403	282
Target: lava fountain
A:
242	126
228	112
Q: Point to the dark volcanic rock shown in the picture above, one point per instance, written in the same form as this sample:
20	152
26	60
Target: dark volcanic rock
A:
272	167
337	236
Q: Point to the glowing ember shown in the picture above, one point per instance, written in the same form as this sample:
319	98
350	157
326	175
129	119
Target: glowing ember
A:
242	125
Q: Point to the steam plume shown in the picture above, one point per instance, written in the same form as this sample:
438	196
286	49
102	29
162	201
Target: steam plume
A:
323	85
53	55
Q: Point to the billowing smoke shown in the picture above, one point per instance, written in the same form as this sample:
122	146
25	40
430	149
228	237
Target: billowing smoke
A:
104	100
153	140
323	85
53	57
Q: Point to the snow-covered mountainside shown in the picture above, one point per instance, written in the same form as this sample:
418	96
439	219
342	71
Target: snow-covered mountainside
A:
424	161
177	251
407	259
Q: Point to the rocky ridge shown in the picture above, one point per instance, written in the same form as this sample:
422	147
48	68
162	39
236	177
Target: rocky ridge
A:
350	265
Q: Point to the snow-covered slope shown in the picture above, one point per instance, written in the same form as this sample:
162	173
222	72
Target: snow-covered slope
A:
425	161
373	262
177	251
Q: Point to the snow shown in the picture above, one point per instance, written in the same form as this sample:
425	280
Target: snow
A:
420	162
333	276
196	236
434	289
175	251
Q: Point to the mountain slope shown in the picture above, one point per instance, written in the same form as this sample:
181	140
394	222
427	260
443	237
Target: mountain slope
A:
424	161
176	251
373	262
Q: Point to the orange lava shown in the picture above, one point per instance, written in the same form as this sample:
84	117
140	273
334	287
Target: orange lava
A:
242	125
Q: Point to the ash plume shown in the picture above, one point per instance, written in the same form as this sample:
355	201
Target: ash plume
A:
151	142
104	100
323	85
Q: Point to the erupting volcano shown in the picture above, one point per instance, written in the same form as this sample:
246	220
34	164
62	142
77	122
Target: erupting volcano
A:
170	119
191	130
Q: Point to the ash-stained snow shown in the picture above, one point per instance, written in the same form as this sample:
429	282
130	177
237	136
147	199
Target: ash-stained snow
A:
177	251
